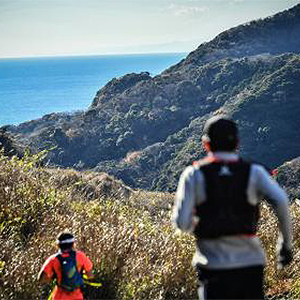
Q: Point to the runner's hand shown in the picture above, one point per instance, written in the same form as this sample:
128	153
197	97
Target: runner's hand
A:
285	257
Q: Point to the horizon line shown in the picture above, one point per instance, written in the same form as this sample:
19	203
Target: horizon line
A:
91	54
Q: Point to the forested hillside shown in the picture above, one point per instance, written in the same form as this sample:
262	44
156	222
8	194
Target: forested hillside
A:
145	130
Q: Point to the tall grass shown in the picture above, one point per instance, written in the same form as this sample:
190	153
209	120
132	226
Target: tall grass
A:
134	248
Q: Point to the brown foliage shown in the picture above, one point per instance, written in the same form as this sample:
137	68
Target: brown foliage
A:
134	248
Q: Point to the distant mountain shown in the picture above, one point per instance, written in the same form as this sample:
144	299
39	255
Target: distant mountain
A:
145	130
273	35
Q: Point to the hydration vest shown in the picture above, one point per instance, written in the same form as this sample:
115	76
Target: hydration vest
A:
226	210
71	278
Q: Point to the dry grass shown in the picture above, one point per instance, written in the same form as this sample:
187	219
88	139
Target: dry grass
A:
135	251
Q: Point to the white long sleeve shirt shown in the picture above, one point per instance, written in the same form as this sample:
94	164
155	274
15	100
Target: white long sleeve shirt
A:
230	251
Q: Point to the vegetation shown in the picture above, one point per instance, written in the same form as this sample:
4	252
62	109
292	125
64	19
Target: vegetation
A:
136	252
130	241
288	175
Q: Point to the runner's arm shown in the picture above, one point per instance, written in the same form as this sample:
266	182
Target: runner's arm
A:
278	199
87	266
46	273
43	278
185	201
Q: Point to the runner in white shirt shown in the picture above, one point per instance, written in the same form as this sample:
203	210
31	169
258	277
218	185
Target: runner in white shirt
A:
218	199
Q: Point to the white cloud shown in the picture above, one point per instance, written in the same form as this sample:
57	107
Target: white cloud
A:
187	10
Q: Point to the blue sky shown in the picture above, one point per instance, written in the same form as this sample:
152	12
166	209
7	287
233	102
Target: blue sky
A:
82	27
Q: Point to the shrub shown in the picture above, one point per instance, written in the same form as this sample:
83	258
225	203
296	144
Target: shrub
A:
135	250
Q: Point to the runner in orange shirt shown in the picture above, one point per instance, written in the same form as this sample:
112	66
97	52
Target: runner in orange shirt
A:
68	267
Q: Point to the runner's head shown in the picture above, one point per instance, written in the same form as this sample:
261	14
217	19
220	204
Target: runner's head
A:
220	134
65	241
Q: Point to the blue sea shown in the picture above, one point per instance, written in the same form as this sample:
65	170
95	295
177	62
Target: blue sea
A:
33	87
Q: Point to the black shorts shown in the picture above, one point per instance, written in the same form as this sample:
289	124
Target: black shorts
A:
239	283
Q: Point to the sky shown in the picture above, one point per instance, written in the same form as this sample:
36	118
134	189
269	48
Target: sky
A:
86	27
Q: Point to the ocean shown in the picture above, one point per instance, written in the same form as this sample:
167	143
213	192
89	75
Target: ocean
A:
33	87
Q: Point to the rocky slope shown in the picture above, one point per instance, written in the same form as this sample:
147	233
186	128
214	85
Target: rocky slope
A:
145	130
8	145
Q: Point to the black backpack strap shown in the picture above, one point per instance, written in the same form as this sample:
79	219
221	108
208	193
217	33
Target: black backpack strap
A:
73	254
60	258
